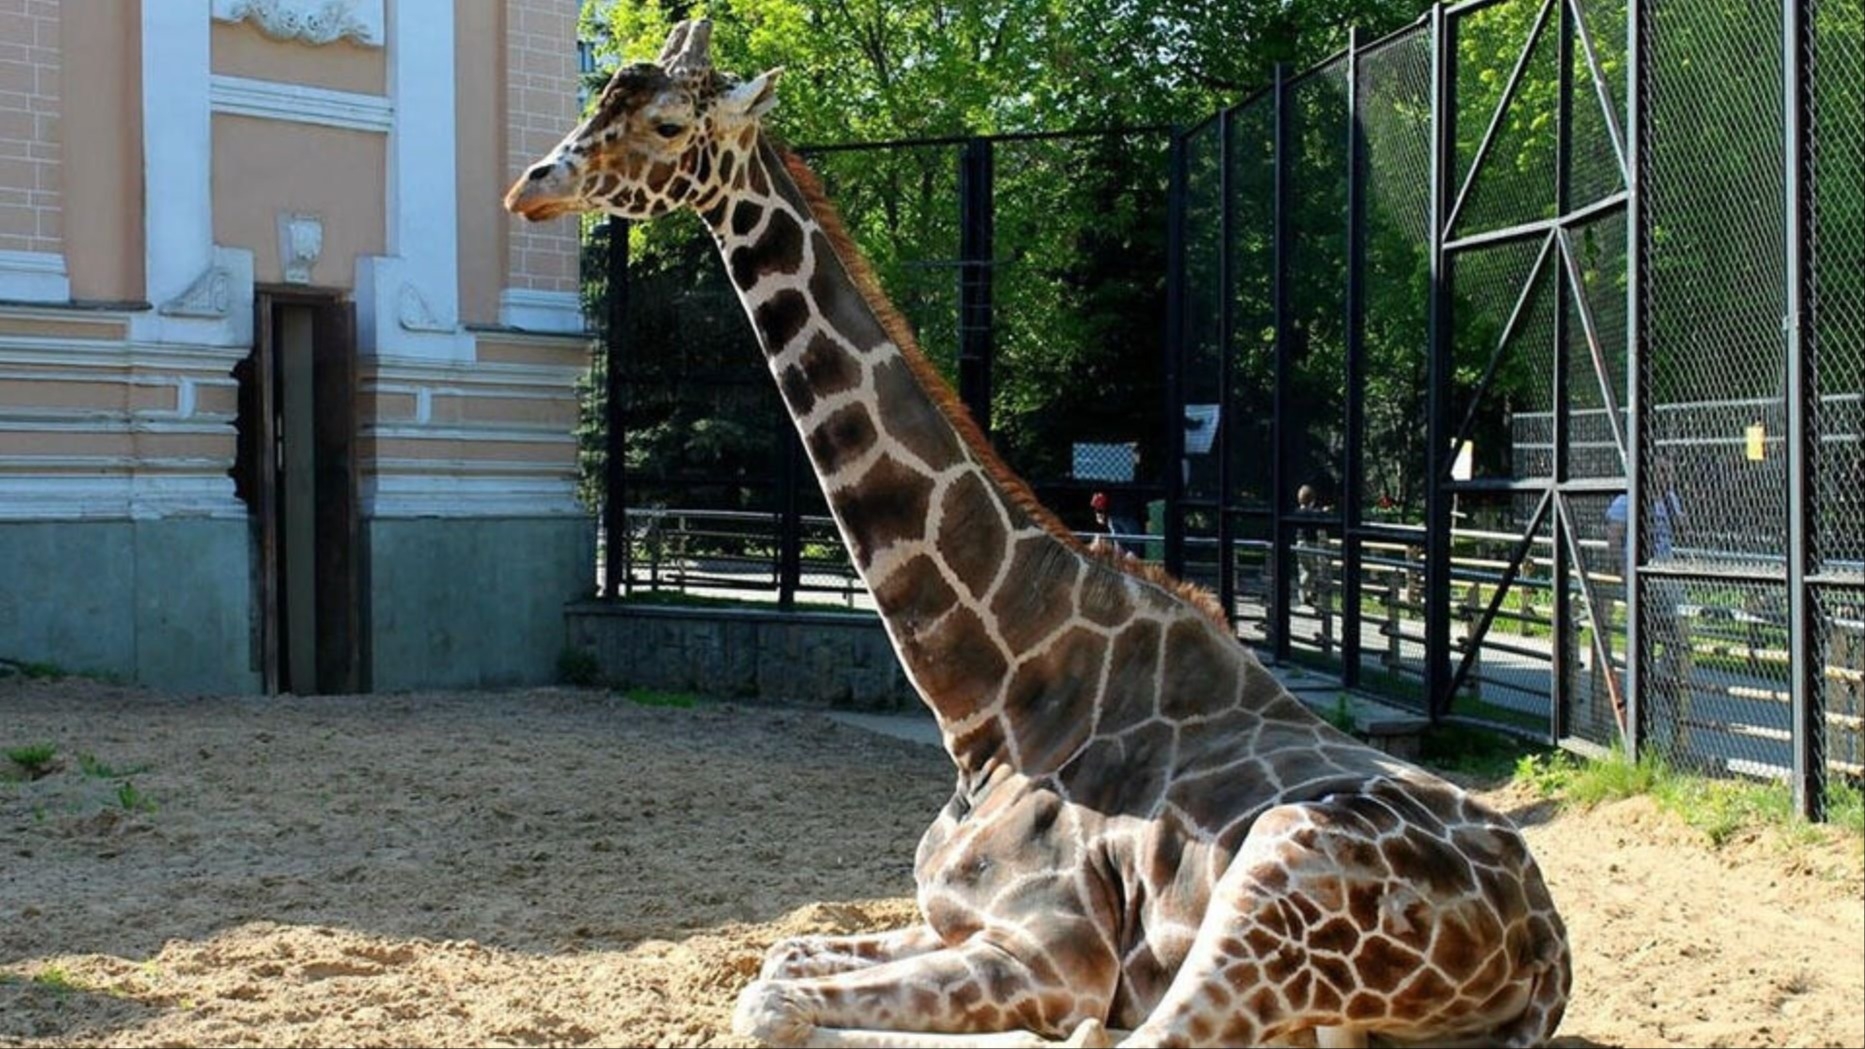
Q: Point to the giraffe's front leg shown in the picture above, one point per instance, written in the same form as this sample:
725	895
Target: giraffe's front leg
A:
1029	995
804	956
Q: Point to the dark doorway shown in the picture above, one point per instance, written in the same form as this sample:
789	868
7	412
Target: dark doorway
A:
296	470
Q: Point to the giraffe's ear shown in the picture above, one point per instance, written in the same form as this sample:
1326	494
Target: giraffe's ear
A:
753	98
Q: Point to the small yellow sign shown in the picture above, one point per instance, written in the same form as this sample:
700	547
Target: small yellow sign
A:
1757	442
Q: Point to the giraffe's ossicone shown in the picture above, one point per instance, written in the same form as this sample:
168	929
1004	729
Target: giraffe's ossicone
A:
1149	839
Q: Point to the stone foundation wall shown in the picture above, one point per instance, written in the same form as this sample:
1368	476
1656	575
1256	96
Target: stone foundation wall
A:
812	658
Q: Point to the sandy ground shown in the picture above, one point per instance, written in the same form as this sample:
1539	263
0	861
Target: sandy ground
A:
555	867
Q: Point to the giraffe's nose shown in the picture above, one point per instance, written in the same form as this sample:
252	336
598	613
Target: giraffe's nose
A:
544	191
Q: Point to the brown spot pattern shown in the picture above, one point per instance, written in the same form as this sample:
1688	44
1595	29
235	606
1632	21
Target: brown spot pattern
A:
778	250
845	436
780	317
913	418
1037	595
972	533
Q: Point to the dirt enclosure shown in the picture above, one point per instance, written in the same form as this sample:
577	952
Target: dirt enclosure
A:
556	867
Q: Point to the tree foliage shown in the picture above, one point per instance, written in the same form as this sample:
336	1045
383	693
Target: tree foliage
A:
1080	224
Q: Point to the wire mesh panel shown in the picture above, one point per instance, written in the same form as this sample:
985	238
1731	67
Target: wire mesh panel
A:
1717	675
1593	645
1715	660
1249	427
1078	321
1393	113
1512	181
1315	403
1839	618
1835	57
1394	100
1201	373
1716	364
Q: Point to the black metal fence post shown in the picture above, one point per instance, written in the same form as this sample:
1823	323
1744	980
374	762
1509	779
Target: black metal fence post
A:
616	551
976	235
1562	564
1178	177
1353	484
1281	535
1438	369
1226	352
1638	339
1805	677
794	472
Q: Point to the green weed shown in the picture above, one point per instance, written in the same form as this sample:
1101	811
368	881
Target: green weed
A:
93	768
1341	717
1722	809
133	800
33	759
56	980
1478	753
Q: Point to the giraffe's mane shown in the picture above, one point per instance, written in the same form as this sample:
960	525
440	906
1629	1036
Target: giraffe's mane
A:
942	394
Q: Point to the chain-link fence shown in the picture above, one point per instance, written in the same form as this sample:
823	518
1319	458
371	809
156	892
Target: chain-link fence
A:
1508	366
1524	302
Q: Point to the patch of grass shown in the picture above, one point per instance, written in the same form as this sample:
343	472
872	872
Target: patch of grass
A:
93	768
1476	752
578	666
33	759
1722	809
1579	781
653	697
1341	717
133	800
56	980
41	671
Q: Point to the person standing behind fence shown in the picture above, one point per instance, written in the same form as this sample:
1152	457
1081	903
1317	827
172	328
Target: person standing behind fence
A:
1311	563
1110	532
1663	601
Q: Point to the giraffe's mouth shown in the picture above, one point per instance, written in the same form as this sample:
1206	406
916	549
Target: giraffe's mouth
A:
536	203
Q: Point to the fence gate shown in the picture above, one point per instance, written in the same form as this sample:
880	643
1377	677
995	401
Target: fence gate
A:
1529	202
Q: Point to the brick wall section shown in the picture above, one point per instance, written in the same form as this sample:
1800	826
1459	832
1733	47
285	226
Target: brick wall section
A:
31	200
540	101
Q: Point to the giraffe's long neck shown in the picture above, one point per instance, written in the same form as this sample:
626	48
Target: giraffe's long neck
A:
963	571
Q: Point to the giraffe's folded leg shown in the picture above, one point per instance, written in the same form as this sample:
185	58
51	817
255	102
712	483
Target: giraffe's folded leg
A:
979	993
1089	1034
1337	920
804	956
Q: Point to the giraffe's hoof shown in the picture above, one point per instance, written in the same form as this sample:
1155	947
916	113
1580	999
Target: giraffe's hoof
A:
1090	1034
789	959
766	1012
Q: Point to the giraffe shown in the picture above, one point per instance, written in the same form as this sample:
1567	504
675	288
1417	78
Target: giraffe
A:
1149	838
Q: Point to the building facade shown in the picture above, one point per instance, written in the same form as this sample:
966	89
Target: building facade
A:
286	398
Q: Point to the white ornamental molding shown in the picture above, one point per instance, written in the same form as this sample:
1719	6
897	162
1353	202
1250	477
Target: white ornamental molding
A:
314	22
414	314
211	295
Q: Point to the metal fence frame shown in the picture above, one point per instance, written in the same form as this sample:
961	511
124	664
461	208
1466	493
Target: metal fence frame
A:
1581	623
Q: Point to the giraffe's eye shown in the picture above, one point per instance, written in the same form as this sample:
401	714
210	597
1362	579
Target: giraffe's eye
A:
668	130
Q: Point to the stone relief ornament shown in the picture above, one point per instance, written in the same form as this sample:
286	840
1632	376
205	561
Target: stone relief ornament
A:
414	313
313	22
300	242
211	295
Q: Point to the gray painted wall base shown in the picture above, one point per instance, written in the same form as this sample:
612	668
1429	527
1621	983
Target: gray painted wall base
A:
165	603
472	602
811	658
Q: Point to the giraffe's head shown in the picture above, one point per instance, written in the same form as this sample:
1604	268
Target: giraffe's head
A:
664	135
